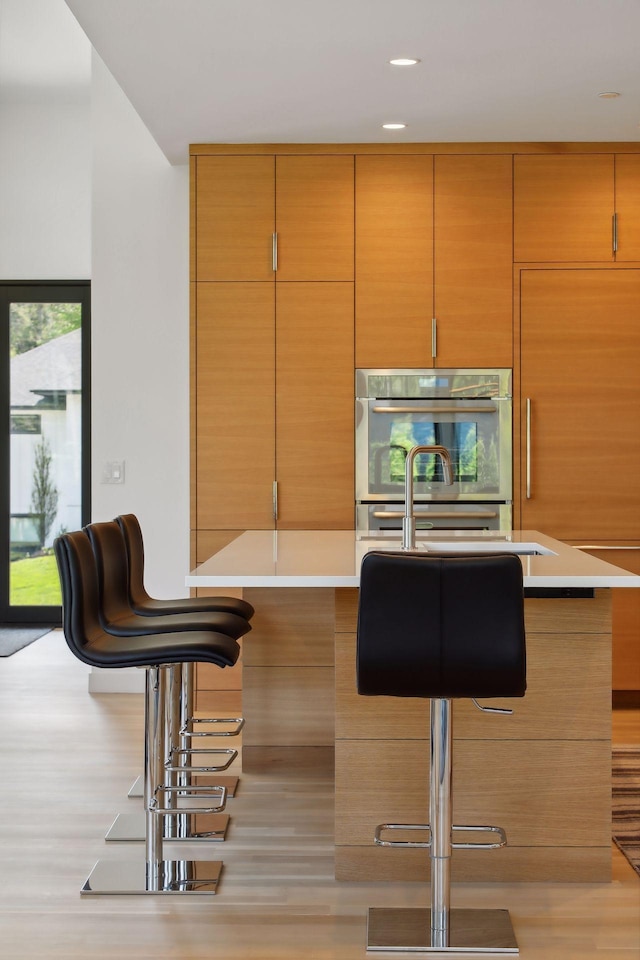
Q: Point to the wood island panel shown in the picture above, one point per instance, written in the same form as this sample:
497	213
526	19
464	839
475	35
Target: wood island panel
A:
543	773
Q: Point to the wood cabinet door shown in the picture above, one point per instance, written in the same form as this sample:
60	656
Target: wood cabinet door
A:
580	359
235	218
625	614
394	261
314	217
628	205
234	406
473	261
563	207
314	406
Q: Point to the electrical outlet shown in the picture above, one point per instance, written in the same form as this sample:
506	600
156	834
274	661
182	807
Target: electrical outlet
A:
113	471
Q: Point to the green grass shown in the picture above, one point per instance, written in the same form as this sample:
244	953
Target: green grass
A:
34	582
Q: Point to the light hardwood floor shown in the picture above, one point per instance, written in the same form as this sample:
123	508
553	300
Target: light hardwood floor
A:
68	759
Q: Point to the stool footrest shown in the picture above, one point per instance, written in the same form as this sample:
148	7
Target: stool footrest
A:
426	844
176	811
170	766
238	722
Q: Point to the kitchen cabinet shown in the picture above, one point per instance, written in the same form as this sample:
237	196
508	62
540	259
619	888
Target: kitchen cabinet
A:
268	218
234	217
274	402
314	406
314	217
625	614
473	261
628	206
580	399
394	261
564	206
234	415
433	261
262	224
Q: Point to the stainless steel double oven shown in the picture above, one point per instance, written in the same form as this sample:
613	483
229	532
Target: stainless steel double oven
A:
467	411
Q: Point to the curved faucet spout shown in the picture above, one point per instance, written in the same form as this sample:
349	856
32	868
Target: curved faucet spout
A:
409	521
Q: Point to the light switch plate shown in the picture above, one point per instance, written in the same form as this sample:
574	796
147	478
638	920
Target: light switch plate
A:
113	471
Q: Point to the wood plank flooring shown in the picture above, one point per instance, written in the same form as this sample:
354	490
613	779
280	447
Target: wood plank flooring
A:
67	761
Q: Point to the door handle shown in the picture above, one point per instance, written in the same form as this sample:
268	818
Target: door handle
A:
528	444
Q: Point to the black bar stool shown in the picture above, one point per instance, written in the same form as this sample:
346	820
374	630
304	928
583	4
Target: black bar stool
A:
117	618
441	627
157	653
146	606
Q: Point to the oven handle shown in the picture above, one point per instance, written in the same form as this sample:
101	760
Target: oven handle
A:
436	514
456	409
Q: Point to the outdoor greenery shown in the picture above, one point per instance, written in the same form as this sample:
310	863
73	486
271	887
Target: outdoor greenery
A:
35	582
44	493
32	324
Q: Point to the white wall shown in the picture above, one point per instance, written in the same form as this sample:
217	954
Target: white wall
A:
45	191
85	193
140	344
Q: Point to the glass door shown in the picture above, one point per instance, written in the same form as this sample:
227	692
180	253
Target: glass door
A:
44	472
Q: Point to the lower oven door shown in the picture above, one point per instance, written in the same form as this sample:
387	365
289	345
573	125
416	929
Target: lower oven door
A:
376	517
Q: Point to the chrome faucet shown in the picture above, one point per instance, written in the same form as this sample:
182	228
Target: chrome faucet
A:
409	521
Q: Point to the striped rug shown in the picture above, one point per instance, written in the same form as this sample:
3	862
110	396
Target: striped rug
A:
626	802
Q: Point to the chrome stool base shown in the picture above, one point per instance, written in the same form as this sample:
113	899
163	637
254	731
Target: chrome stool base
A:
130	827
110	877
400	929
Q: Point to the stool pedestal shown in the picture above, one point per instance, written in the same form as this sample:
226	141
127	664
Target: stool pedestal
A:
155	875
440	928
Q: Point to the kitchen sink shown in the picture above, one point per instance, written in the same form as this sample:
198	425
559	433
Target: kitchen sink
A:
460	546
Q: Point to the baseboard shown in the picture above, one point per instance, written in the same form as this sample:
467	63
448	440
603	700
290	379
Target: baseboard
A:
116	681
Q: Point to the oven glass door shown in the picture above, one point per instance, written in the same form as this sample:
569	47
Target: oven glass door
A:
476	432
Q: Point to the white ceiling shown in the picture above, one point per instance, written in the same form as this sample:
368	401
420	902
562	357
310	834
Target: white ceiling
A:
260	71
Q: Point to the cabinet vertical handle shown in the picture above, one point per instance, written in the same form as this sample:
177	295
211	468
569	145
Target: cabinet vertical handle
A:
274	252
528	441
614	232
275	499
434	337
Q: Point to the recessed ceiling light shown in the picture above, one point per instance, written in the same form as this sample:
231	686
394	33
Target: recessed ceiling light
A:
611	95
394	126
404	62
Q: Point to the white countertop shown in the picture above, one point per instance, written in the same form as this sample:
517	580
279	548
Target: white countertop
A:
332	558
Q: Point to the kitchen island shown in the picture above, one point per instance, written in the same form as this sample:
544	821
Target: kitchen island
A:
543	773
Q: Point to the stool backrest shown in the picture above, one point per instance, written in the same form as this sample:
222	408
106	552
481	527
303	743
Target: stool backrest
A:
441	626
132	533
113	575
79	585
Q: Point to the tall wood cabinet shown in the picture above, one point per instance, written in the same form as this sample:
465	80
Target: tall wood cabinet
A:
434	261
580	343
273	296
581	408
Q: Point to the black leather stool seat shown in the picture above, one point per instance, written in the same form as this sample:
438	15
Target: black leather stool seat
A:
146	606
89	641
116	615
441	626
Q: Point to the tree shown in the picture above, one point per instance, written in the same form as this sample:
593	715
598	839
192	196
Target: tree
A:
44	494
32	324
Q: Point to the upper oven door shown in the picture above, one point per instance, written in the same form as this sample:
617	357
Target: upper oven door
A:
477	433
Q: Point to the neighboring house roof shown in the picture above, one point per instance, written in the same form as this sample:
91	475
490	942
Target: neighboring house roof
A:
53	366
